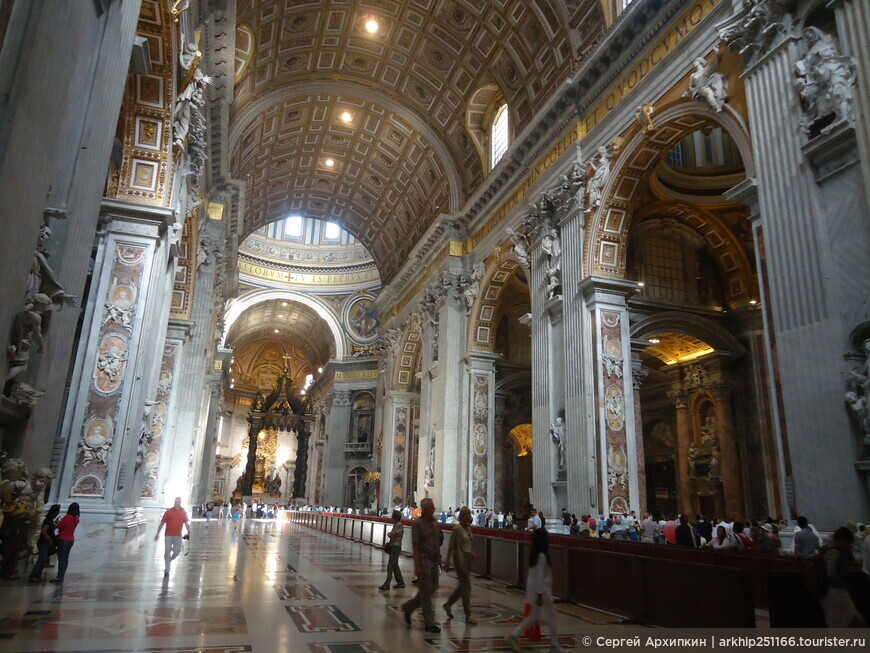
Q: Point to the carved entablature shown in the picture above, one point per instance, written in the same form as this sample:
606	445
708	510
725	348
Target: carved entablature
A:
756	28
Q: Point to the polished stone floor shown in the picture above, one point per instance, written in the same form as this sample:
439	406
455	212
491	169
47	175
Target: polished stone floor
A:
272	587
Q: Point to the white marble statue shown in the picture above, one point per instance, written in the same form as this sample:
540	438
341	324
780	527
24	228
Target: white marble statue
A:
26	395
27	331
472	290
520	245
109	362
708	86
824	80
601	172
859	390
557	431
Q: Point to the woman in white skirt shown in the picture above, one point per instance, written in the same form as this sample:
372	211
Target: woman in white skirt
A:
539	591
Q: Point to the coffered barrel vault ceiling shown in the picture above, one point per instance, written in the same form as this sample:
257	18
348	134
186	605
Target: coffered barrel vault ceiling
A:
406	156
295	323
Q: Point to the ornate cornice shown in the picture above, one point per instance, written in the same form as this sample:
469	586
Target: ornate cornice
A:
638	26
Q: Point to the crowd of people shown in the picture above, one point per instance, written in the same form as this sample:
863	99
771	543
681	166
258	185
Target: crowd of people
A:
427	538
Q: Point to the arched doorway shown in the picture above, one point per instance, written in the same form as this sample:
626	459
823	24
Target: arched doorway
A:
666	220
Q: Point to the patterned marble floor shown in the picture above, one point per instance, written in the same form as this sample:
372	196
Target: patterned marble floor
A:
273	587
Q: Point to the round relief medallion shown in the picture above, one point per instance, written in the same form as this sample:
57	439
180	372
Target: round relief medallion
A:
97	431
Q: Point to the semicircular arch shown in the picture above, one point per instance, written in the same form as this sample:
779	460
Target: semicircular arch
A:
720	241
407	356
610	223
698	327
481	323
238	307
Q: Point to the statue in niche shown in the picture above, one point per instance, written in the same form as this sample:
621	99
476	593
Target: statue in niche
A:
824	82
520	245
557	431
708	434
552	247
859	390
708	86
601	172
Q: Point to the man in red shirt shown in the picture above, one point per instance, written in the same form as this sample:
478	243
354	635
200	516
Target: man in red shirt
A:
173	518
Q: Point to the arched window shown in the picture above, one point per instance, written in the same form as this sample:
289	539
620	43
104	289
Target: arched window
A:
331	231
499	135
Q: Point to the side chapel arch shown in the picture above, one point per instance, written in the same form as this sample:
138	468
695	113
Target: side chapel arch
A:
610	224
482	320
408	356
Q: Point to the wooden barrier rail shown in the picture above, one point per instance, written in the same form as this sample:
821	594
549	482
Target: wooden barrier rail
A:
654	584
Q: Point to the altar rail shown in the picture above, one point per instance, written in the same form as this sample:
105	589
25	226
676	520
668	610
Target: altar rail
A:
659	585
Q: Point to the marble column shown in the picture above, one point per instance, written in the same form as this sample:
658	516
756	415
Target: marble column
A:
449	406
501	477
160	417
204	488
580	445
617	440
191	418
71	113
118	363
731	474
685	500
544	405
395	466
337	425
481	454
853	27
638	374
816	232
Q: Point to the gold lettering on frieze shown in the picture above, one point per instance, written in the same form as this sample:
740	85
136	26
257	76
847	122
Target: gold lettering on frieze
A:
263	272
359	375
616	94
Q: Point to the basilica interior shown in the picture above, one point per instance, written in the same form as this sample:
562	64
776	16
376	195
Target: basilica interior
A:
596	255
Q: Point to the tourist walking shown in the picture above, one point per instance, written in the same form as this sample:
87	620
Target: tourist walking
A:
44	544
426	538
460	553
174	518
209	511
539	591
395	536
66	528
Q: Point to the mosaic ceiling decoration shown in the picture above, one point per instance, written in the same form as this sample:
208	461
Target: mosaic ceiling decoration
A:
405	155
